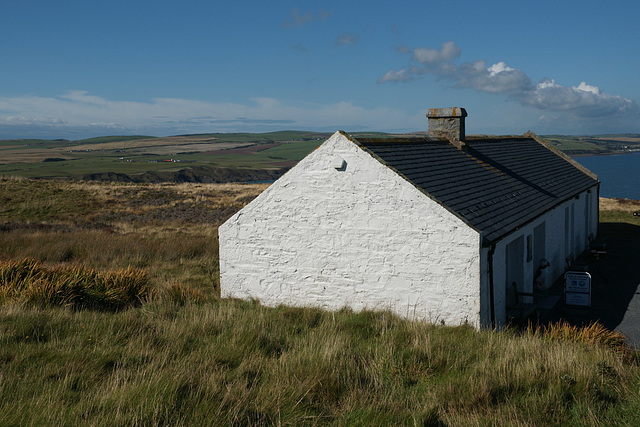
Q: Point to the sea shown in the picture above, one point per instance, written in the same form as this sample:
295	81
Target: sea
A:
619	174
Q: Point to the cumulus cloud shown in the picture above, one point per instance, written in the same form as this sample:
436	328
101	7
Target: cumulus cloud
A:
298	19
346	39
78	114
497	78
584	101
431	60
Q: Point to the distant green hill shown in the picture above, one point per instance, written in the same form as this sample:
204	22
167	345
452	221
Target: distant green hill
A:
142	158
595	144
101	139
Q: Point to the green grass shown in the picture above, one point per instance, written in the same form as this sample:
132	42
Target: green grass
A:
593	145
617	218
573	144
238	363
292	151
36	144
622	216
261	159
286	135
102	139
134	160
85	164
25	200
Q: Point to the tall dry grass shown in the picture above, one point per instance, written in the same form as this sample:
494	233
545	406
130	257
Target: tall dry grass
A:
618	204
185	357
591	335
30	282
230	362
170	230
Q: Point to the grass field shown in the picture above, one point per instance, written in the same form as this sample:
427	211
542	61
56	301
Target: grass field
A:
593	145
171	230
139	154
176	354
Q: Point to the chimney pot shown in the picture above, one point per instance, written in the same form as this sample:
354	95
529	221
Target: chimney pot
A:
447	123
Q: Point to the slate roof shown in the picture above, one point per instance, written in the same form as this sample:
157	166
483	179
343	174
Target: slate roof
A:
495	184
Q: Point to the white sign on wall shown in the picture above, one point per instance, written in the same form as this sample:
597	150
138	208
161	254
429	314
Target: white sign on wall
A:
577	288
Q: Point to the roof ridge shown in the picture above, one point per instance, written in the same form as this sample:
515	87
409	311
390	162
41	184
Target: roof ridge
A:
408	139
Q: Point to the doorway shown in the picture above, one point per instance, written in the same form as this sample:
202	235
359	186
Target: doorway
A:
515	264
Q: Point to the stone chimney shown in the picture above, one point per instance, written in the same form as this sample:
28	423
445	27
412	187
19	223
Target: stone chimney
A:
447	123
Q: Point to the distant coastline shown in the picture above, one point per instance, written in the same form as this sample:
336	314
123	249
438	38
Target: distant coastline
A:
594	145
608	153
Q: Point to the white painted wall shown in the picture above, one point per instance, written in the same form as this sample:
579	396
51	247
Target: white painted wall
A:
585	222
361	237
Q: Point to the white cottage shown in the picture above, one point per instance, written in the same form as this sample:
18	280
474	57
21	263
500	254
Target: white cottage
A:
434	227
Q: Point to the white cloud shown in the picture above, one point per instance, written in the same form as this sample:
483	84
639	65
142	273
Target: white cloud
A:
547	83
498	68
581	102
586	88
498	78
78	114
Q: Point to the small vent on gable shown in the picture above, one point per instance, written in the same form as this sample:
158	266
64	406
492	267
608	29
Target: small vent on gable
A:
339	163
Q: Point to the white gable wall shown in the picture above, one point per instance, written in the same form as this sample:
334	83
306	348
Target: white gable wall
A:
361	237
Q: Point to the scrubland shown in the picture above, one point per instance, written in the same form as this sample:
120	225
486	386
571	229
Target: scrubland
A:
115	319
169	230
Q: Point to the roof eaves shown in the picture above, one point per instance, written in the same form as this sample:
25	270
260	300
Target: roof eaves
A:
488	238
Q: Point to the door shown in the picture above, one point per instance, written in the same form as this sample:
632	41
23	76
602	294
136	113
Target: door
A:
539	249
515	264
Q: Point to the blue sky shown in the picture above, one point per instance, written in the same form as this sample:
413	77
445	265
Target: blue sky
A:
82	68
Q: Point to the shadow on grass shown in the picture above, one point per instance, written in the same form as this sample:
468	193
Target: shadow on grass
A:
615	297
617	277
